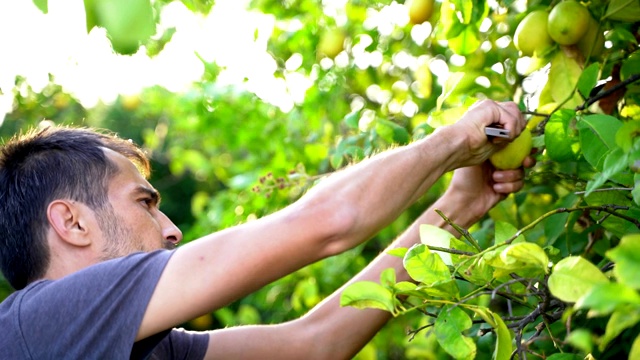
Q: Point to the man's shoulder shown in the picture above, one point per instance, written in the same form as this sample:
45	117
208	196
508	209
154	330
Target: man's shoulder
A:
72	309
12	340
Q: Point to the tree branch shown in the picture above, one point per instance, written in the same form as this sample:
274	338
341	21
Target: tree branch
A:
631	79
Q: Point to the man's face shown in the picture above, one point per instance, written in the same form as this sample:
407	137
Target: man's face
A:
132	221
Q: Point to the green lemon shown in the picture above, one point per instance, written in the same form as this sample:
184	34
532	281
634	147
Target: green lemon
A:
331	42
568	22
511	156
531	35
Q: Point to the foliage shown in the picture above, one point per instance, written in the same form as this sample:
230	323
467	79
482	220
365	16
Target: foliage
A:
549	273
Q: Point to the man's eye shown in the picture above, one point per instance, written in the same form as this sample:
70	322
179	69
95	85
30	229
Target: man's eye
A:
147	202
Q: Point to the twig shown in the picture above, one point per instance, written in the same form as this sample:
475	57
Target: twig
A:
450	251
609	91
608	266
608	208
415	332
464	232
605	189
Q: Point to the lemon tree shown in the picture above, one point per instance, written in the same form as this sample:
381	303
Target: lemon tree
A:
549	273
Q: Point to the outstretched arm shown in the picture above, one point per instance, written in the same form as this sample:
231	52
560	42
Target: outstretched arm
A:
341	212
332	332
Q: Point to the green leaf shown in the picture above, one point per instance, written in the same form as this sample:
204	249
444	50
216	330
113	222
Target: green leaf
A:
605	298
504	231
42	5
449	325
525	256
614	163
623	10
368	294
454	113
630	66
351	119
478	272
563	78
90	14
504	345
627	135
431	235
441	291
554	226
391	132
619	227
598	137
467	42
636	189
565	356
573	277
524	259
388	278
446	290
560	141
397	252
426	267
588	79
465	8
409	289
627	258
581	339
619	321
128	22
634	353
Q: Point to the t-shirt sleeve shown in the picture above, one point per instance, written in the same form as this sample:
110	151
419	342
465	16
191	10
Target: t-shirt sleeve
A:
93	313
176	344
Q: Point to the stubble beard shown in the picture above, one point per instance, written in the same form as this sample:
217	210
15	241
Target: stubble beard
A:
121	240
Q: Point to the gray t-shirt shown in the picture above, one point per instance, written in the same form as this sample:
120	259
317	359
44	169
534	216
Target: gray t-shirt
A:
93	314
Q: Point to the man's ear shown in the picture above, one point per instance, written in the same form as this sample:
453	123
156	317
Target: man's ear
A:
68	220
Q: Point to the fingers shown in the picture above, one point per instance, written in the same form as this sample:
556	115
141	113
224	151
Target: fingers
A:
511	118
529	162
508	181
505	114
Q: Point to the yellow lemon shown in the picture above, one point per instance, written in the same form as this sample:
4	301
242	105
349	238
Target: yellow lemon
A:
511	156
420	11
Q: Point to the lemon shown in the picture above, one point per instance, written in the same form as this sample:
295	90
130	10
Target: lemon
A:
531	35
420	11
511	156
331	42
568	22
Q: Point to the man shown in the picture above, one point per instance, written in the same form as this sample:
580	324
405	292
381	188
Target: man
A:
84	243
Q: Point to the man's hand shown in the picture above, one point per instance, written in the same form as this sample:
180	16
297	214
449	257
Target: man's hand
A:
479	188
477	147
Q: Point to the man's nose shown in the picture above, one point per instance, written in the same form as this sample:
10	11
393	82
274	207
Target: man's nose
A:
170	231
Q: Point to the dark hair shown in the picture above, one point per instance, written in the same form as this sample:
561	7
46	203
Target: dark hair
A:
39	167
